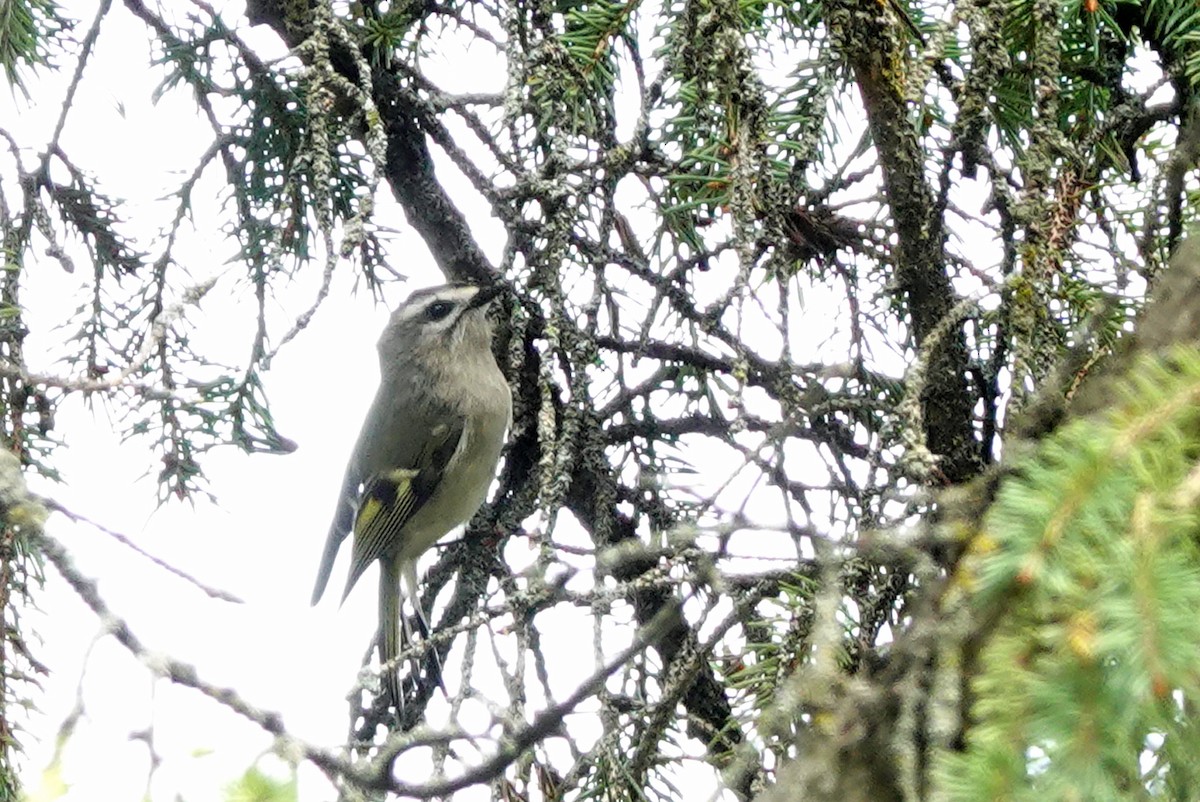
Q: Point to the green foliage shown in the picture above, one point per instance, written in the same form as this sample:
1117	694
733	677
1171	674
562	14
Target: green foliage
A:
775	649
28	29
1092	42
256	786
95	217
1091	557
572	75
382	34
284	181
292	173
1173	27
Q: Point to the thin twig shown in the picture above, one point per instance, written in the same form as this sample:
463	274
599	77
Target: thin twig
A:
208	590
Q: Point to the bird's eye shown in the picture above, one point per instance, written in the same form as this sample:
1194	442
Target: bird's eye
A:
438	310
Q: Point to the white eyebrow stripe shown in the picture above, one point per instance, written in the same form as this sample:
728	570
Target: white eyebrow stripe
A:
421	300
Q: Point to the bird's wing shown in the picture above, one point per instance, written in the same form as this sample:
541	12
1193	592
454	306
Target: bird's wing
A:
391	438
391	497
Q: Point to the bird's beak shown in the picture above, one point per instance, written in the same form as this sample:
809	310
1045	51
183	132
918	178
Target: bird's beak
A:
487	293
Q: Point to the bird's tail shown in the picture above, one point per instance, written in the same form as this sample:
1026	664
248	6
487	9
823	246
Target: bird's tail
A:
389	628
394	630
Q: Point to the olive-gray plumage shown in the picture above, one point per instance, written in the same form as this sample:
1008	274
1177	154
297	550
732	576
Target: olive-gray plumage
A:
428	449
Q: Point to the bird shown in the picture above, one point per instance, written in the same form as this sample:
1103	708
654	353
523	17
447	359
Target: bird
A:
427	452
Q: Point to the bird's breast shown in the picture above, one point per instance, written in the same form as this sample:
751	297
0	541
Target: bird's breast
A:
485	404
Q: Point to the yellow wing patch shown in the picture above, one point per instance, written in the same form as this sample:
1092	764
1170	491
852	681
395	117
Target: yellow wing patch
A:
370	508
388	501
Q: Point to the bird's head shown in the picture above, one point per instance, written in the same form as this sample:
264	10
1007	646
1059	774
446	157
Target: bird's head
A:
449	322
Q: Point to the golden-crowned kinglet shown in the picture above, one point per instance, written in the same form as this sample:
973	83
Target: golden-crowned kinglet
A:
428	448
